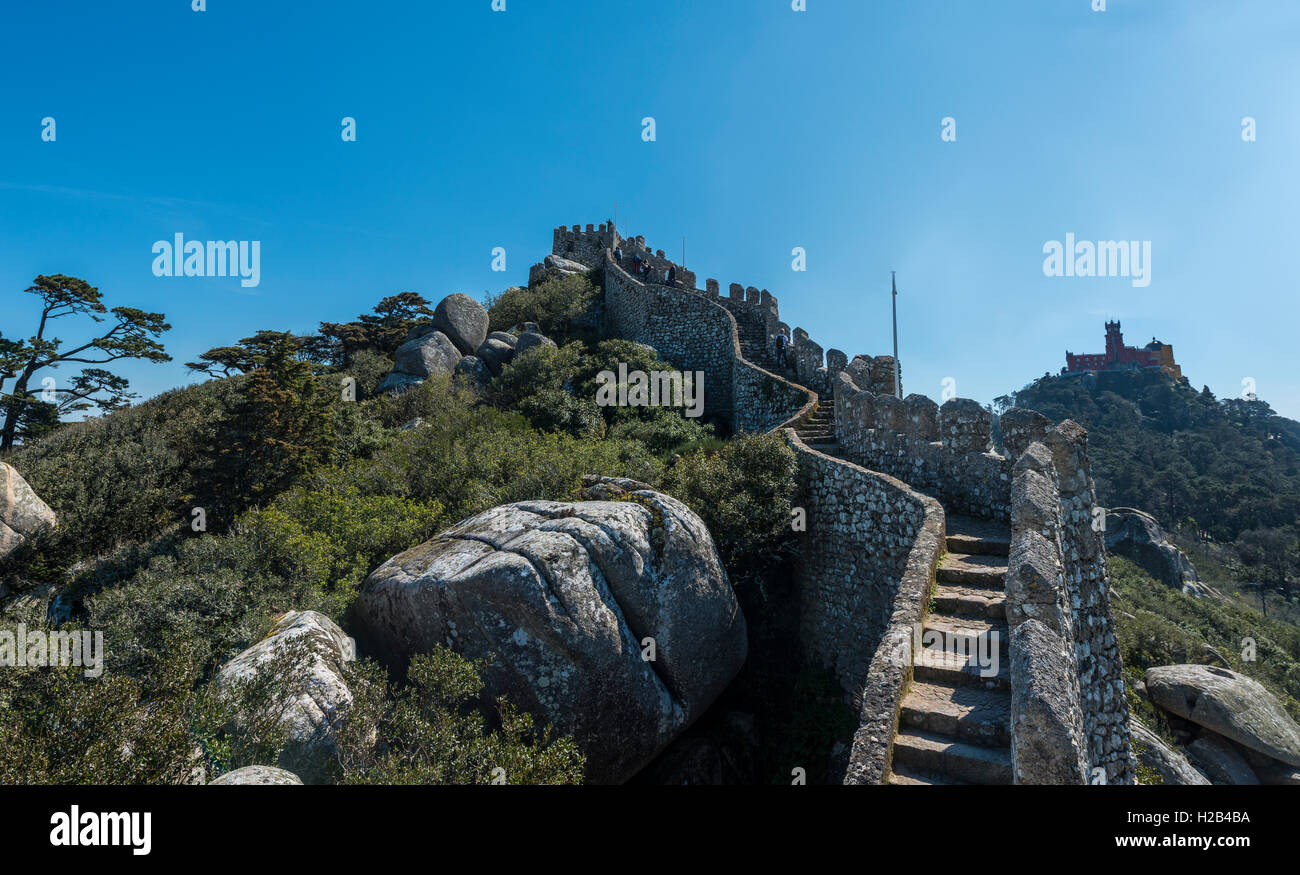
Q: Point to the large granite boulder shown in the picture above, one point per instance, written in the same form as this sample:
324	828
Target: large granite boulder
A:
1152	753
427	355
495	353
611	619
531	340
307	651
1139	538
564	266
1269	770
1227	703
22	513
463	320
472	371
257	775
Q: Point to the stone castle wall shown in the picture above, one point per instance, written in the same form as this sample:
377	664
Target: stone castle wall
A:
1057	578
943	452
876	525
688	331
694	331
866	563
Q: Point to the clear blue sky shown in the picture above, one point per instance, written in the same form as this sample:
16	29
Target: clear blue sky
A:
775	129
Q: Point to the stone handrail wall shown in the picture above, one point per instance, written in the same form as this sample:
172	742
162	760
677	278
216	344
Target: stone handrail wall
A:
1048	745
1087	585
752	308
1058	611
940	451
868	558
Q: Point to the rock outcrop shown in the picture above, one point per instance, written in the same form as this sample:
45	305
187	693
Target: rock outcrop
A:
463	320
565	266
429	355
611	619
1229	704
316	696
1220	761
22	513
259	775
496	353
1139	538
1153	754
435	348
530	340
472	371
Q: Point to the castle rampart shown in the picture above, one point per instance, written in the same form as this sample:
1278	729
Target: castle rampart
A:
865	569
876	525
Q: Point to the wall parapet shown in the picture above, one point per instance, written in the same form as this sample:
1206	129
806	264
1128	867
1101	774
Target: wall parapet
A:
869	556
940	451
1069	710
1048	745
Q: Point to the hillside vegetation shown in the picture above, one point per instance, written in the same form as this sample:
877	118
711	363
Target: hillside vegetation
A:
302	494
1222	475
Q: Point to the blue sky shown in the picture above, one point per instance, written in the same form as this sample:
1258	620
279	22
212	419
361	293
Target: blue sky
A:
775	129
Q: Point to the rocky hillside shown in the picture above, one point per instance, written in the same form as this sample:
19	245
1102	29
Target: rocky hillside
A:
230	539
1222	476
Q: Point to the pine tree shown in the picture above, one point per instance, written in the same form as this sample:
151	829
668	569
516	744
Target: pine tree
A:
281	428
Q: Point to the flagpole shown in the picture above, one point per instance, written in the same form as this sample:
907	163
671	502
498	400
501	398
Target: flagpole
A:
898	387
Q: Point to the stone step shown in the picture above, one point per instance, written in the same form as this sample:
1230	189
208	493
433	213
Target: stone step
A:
973	570
826	449
985	603
942	756
963	634
972	535
963	712
905	776
938	666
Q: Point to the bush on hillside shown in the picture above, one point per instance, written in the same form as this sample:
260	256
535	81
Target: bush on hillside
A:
558	305
743	492
1158	625
430	732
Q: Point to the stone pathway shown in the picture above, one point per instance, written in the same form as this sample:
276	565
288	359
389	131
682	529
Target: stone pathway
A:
954	726
818	431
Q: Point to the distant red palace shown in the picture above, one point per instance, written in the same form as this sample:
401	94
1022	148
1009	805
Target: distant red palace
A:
1119	357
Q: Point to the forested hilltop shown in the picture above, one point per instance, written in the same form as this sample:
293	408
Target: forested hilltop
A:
1222	475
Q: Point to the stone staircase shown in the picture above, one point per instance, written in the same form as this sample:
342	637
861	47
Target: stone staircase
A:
818	431
954	725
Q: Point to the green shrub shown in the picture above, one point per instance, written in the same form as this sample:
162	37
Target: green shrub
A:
430	732
743	492
368	367
128	476
558	306
59	727
543	369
